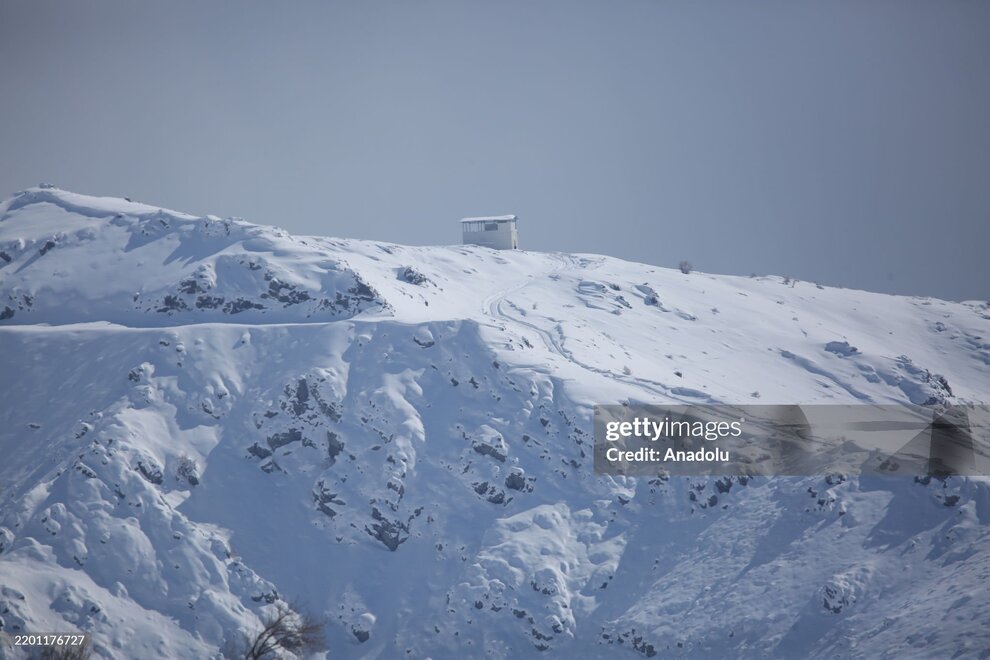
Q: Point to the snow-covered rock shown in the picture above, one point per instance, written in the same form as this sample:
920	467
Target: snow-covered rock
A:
206	418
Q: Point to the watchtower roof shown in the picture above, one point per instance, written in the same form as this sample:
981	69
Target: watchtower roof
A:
491	218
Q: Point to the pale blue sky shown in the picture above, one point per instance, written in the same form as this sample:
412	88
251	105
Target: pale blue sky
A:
843	142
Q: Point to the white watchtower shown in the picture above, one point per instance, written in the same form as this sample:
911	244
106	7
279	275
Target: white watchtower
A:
498	232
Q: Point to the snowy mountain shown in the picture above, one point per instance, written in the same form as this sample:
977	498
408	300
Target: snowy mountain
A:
204	418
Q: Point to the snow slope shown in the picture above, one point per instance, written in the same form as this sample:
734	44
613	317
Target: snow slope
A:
205	417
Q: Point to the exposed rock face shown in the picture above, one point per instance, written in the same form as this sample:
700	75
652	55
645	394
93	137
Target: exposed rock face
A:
258	419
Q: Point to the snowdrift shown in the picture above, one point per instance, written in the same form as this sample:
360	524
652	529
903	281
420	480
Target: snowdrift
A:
204	418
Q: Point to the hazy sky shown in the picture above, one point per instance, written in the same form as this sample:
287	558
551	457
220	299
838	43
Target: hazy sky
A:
843	142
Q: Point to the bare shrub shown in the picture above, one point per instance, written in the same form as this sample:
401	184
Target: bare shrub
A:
286	629
685	267
78	652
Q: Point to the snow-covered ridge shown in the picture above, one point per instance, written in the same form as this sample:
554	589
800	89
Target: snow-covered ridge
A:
70	258
414	466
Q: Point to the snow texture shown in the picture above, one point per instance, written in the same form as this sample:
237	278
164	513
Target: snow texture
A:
205	418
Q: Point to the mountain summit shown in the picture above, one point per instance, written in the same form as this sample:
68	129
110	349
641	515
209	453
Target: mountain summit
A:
205	419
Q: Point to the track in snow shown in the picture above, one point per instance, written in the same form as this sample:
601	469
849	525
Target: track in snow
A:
497	305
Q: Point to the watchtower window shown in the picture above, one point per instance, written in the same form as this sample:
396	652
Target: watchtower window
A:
491	226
